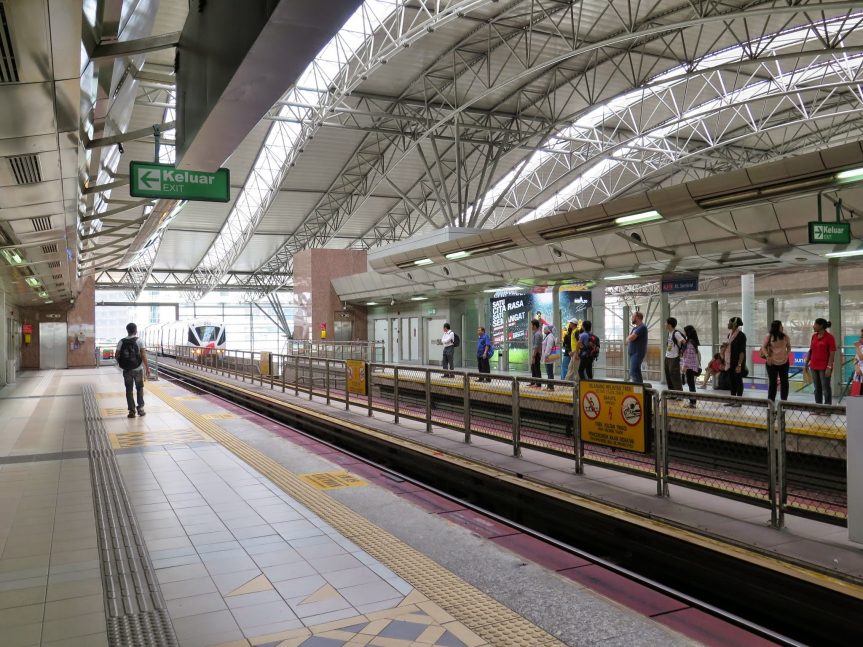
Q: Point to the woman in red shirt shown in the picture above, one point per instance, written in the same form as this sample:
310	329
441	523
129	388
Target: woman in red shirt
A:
819	360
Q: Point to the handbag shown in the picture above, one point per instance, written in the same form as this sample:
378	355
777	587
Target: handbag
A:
553	356
856	387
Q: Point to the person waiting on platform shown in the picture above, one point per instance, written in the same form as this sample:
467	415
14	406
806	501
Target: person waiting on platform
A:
675	343
548	348
819	360
714	366
735	358
535	352
570	338
776	350
484	350
448	341
132	360
690	360
637	342
587	351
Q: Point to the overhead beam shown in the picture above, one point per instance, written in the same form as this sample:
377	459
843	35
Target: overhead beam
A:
115	49
127	136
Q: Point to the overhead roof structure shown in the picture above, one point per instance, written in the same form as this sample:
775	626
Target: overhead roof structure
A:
484	113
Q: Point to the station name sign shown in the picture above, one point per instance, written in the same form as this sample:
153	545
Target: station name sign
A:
150	180
679	284
831	233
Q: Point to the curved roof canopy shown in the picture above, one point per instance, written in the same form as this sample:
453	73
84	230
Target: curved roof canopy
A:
478	113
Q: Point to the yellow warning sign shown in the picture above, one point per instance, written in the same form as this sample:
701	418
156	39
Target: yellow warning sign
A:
264	362
613	414
332	480
355	370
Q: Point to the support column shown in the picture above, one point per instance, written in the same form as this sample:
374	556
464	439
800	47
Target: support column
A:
664	313
714	327
627	318
555	311
747	305
834	314
81	328
771	311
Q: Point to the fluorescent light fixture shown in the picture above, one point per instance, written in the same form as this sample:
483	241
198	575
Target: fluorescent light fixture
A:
424	261
621	277
43	294
851	174
419	298
12	256
506	288
638	218
845	254
454	256
371	303
49	301
33	281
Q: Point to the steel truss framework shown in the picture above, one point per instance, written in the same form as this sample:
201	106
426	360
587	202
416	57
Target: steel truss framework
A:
616	95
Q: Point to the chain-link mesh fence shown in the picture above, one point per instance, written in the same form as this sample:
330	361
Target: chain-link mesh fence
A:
545	415
812	458
719	443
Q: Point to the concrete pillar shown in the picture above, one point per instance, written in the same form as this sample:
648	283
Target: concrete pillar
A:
715	330
771	311
314	270
834	315
597	314
81	328
627	318
665	313
555	310
747	305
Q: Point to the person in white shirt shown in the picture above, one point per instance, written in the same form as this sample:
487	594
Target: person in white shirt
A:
676	341
448	341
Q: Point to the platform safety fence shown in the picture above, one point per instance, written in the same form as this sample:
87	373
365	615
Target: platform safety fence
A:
788	457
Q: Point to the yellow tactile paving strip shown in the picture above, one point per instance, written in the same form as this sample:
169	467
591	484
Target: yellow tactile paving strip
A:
487	618
150	438
332	480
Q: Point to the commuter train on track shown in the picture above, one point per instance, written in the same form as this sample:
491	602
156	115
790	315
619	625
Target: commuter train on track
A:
202	336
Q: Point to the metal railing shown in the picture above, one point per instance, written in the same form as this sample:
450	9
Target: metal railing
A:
788	457
368	351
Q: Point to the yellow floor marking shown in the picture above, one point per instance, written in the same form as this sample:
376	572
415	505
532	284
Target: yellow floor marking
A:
150	438
111	394
657	525
222	415
332	480
479	616
255	585
113	412
324	593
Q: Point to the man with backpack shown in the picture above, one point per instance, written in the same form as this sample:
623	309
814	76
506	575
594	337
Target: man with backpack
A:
673	350
449	340
132	360
588	351
484	352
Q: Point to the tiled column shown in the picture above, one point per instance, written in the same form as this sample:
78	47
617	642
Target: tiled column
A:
81	321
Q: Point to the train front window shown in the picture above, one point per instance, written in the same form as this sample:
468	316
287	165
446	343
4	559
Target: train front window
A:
206	334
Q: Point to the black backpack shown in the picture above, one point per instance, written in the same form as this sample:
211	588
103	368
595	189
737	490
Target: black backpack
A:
129	357
456	340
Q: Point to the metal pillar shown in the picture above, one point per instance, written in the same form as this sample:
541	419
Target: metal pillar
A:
747	305
771	311
665	313
555	310
834	314
627	318
714	326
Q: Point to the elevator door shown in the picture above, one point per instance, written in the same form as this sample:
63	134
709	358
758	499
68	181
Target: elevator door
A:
52	345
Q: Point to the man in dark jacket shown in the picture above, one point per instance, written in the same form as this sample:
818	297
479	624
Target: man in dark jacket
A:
484	350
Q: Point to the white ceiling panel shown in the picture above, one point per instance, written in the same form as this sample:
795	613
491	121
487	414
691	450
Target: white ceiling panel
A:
182	250
259	249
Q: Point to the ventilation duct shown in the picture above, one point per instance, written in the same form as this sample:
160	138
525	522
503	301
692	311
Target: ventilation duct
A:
42	223
25	168
54	265
8	65
49	249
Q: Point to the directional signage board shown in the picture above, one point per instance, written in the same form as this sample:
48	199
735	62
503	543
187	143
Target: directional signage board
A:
831	233
615	414
149	180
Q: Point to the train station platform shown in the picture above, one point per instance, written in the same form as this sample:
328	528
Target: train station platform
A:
203	524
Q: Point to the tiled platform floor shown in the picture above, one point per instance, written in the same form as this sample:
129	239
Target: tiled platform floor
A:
238	560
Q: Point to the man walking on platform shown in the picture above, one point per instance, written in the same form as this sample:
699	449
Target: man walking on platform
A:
132	360
535	352
637	342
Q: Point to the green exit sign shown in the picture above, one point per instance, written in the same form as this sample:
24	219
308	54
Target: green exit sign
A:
149	180
831	233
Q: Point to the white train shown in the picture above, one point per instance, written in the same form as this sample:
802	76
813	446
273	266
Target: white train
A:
201	335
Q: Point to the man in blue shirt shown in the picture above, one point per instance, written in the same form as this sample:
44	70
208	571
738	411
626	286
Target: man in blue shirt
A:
637	341
484	350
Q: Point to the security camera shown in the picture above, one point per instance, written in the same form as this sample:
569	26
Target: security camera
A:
120	148
635	236
392	301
